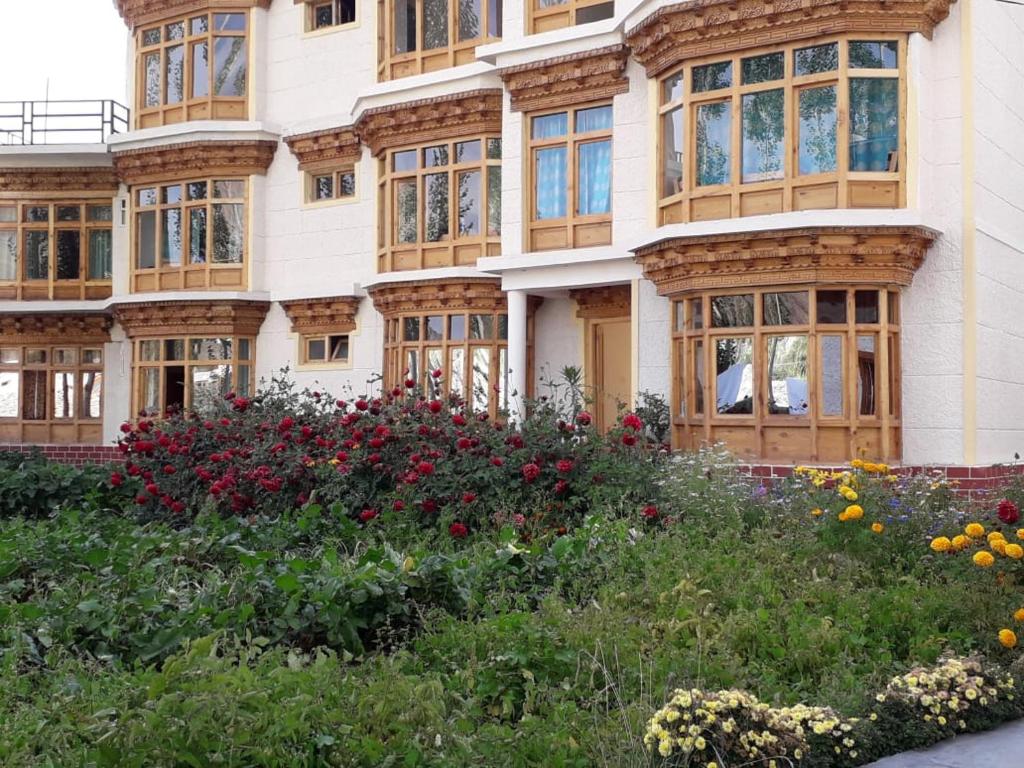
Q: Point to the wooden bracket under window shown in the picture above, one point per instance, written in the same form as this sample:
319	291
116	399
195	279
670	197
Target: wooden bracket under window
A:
851	254
480	294
706	27
197	318
137	12
191	159
64	328
325	149
331	314
574	79
602	302
443	118
99	179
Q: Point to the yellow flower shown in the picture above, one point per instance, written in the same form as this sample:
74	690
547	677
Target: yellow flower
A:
857	464
999	545
855	512
843	517
975	530
1015	551
1007	638
816	512
984	559
995	536
1019	614
877	527
1020	534
941	544
960	541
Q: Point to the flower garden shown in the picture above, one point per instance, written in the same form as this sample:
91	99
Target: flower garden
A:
391	579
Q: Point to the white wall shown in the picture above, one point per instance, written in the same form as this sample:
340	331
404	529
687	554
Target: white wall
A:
558	342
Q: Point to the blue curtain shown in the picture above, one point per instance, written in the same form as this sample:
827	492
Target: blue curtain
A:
594	178
551	184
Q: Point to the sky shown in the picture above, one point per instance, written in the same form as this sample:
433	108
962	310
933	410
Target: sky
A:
79	45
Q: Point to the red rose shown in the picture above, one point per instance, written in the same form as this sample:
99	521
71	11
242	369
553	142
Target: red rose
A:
208	424
177	507
285	424
436	373
362	405
468	497
425	468
459	420
629	439
126	427
650	512
373	458
564	466
367	515
144	426
376	442
429	506
339	403
240	404
434	406
169	470
561	486
632	421
458	530
399	505
410	383
307	431
530	472
584	418
225	421
497	461
116	478
1008	512
463	443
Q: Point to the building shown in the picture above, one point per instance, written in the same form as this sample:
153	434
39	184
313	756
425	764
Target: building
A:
802	221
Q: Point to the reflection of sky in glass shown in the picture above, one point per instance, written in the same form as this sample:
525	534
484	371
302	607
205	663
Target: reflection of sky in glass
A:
714	123
762	136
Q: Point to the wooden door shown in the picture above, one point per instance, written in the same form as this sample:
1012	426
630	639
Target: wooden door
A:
612	361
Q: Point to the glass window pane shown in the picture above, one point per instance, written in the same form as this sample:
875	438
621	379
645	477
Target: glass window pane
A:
207	386
711	77
787	375
873	54
503	327
69	252
172	194
9	381
197	190
734	380
346	184
469	19
170	238
175	75
585	14
323	16
503	382
37	213
866	375
151	37
69	213
469	199
762	69
788	308
151	80
832	386
102	213
228	189
435	24
434	327
493	200
228	233
457	372
36	356
467	151
150	390
197	235
33	403
323	188
436	219
230	65
672	88
698	377
594	178
817	126
550	126
481	378
199	25
8	213
550	178
316	349
92	357
37	255
732	311
494	149
481	327
494	18
339	348
894	308
10	355
763	128
714	143
816	58
405	160
65	356
412	365
410	329
405	26
457	328
434	361
696	314
210	349
229	22
243	349
435	156
8	255
831	306
92	395
149	350
175	31
200	70
672	152
874	117
866	303
147	196
593	119
174	349
406	207
63	395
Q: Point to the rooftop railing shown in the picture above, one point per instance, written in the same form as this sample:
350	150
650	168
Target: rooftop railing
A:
61	122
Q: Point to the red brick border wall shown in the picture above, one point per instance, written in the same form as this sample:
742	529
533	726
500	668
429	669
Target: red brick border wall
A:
76	455
974	482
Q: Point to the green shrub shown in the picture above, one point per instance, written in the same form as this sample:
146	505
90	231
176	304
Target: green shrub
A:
33	486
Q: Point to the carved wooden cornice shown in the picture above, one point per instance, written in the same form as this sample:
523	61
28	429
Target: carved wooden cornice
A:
566	80
325	149
605	301
193	317
471	294
138	12
438	119
66	180
702	27
854	254
333	314
194	158
63	328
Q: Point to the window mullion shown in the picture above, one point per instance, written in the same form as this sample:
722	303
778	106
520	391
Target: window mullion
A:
843	125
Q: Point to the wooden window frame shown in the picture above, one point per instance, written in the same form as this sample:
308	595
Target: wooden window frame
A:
782	437
241	386
842	188
22	288
306	361
560	16
573	230
456	250
207	275
309	17
309	186
396	350
392	65
208	107
54	429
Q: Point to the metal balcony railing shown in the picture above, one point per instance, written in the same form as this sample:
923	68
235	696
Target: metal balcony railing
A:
61	122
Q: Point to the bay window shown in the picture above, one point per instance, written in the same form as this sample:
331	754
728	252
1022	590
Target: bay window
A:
328	185
193	68
440	204
56	250
329	14
570	172
760	132
417	36
190	235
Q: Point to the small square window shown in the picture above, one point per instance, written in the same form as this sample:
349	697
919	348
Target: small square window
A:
815	59
435	327
762	69
866	303
732	311
229	22
323	16
35	356
316	350
323	187
176	31
467	151
404	161
199	25
68	213
92	357
481	327
151	36
831	307
9	356
457	328
146	196
8	213
228	189
197	190
435	156
172	194
494	149
711	77
347	184
101	213
410	329
873	54
339	348
37	213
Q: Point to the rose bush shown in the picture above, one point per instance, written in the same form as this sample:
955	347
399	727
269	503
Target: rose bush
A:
399	453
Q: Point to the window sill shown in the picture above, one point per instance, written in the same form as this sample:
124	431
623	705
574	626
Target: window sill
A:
312	34
313	206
